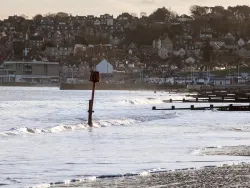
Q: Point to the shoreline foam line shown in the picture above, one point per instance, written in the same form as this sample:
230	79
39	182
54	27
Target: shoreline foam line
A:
142	174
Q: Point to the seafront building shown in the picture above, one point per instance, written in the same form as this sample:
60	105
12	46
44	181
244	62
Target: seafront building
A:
29	72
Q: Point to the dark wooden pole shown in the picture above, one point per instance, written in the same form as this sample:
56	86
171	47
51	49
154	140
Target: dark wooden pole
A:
90	123
91	103
94	77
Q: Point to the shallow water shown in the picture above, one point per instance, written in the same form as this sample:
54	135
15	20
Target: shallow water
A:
44	136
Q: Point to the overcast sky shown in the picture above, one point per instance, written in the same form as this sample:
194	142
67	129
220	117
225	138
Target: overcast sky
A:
97	7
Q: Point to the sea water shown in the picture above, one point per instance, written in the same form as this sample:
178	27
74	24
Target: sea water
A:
44	136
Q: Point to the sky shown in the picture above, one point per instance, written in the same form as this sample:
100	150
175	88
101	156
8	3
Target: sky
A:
98	7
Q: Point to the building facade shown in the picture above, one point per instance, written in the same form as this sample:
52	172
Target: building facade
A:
32	72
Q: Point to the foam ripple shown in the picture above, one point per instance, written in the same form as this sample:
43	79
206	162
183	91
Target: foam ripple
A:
15	131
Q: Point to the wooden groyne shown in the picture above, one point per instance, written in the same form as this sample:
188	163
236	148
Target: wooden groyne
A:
230	107
210	100
228	95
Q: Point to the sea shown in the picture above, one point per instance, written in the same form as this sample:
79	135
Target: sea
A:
45	140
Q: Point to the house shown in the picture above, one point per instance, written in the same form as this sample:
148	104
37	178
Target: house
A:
217	43
229	36
182	52
221	81
57	38
60	52
47	23
230	45
97	22
18	37
184	18
157	44
244	52
163	53
192	49
36	41
132	48
104	67
107	19
147	49
241	42
33	71
2	34
167	43
206	35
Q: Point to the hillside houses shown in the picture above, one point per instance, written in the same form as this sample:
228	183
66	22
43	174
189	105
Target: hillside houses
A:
129	43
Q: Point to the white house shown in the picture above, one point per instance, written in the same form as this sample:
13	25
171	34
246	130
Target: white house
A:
163	53
167	43
241	42
157	44
104	67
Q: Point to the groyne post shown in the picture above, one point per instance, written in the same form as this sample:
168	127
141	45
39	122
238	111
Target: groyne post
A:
94	77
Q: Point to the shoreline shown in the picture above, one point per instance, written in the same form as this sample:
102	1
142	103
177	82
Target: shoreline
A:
226	175
27	85
126	86
235	175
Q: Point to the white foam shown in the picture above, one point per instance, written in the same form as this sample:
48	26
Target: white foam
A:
196	152
67	182
62	128
142	101
144	173
92	178
82	126
45	185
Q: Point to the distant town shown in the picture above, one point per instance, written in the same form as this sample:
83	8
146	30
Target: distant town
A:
209	46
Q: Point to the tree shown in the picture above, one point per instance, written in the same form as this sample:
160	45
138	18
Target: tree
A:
62	14
161	14
145	35
50	15
217	10
199	11
24	16
18	48
125	14
207	54
239	10
37	18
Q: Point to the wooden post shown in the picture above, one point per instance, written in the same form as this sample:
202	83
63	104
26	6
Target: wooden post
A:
173	107
90	123
192	107
230	107
94	77
211	106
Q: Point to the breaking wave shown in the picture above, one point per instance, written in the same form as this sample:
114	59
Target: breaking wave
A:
142	101
97	124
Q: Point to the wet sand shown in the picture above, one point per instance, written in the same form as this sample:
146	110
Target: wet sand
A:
226	176
237	175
